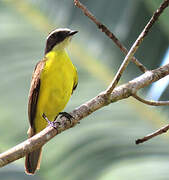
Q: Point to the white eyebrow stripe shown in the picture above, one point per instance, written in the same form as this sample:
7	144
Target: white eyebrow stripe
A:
57	30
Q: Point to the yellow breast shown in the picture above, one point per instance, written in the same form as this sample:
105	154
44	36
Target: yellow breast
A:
56	84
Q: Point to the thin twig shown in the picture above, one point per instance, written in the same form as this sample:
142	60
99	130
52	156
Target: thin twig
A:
136	45
119	93
151	102
104	29
156	133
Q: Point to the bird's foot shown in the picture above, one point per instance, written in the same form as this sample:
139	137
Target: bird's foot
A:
54	124
66	115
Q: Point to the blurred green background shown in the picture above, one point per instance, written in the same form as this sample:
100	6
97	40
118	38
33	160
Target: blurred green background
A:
103	146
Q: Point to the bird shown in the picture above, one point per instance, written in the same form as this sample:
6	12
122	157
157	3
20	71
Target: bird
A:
53	81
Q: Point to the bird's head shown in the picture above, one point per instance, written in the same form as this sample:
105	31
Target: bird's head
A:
58	39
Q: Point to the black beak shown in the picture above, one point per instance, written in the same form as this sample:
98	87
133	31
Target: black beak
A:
72	33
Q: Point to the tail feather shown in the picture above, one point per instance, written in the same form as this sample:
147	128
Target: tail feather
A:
32	161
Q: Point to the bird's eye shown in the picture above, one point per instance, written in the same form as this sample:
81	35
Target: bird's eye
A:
60	35
53	36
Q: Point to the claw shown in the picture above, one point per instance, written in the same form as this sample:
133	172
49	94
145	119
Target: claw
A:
54	124
67	115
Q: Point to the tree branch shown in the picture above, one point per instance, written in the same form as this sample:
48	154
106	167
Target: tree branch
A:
156	133
152	103
104	29
121	92
136	45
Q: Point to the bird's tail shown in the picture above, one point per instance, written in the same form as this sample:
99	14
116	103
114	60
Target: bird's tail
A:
32	161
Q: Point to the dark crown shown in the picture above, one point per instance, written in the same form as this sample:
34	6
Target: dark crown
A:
57	36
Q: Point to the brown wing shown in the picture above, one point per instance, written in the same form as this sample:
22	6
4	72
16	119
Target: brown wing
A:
34	92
